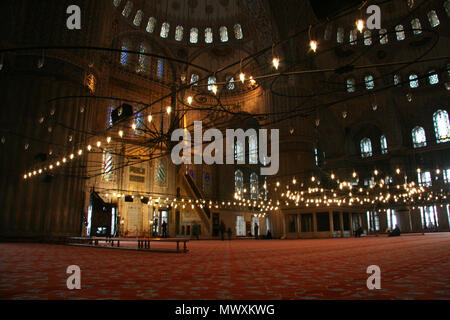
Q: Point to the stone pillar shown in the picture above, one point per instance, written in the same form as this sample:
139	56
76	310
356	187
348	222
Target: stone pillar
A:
442	218
350	221
330	215
314	222
341	222
403	219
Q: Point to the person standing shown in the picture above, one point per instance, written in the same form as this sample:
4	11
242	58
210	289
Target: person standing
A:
256	228
164	229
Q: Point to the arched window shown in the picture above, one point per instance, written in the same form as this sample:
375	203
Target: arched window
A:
351	85
416	26
340	35
179	33
211	81
413	81
151	25
433	18
433	77
208	35
194	79
441	126
165	28
193	37
238	183
116	3
447	7
161	172
127	10
124	55
370	84
383	143
316	156
353	38
160	68
418	137
400	32
138	18
254	186
143	60
424	178
367	37
238	34
397	79
230	83
253	149
223	34
383	36
366	147
107	165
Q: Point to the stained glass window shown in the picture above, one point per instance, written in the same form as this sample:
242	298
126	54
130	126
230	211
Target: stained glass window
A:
366	147
397	79
238	32
230	83
413	81
446	175
160	68
424	178
383	143
211	82
367	38
223	34
340	35
151	25
418	137
447	7
441	126
127	10
316	156
238	183
143	60
194	79
383	36
353	38
433	18
116	3
208	35
239	152
351	85
400	32
161	172
107	166
254	186
138	18
124	55
165	28
429	217
416	26
370	84
433	78
193	38
179	33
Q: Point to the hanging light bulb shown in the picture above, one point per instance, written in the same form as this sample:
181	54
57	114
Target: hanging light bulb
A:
397	171
276	62
438	171
149	118
313	45
80	152
333	176
108	139
374	106
360	25
189	100
26	146
214	89
242	77
344	114
133	126
317	122
252	81
169	109
121	133
89	147
99	144
81	109
71	156
64	160
294	181
375	172
354	174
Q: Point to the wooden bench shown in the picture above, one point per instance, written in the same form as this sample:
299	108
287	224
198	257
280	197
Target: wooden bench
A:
142	243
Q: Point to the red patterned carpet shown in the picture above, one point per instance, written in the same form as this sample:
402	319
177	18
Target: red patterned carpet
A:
412	267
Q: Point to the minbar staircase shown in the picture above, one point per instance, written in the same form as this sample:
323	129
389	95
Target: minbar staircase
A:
204	213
